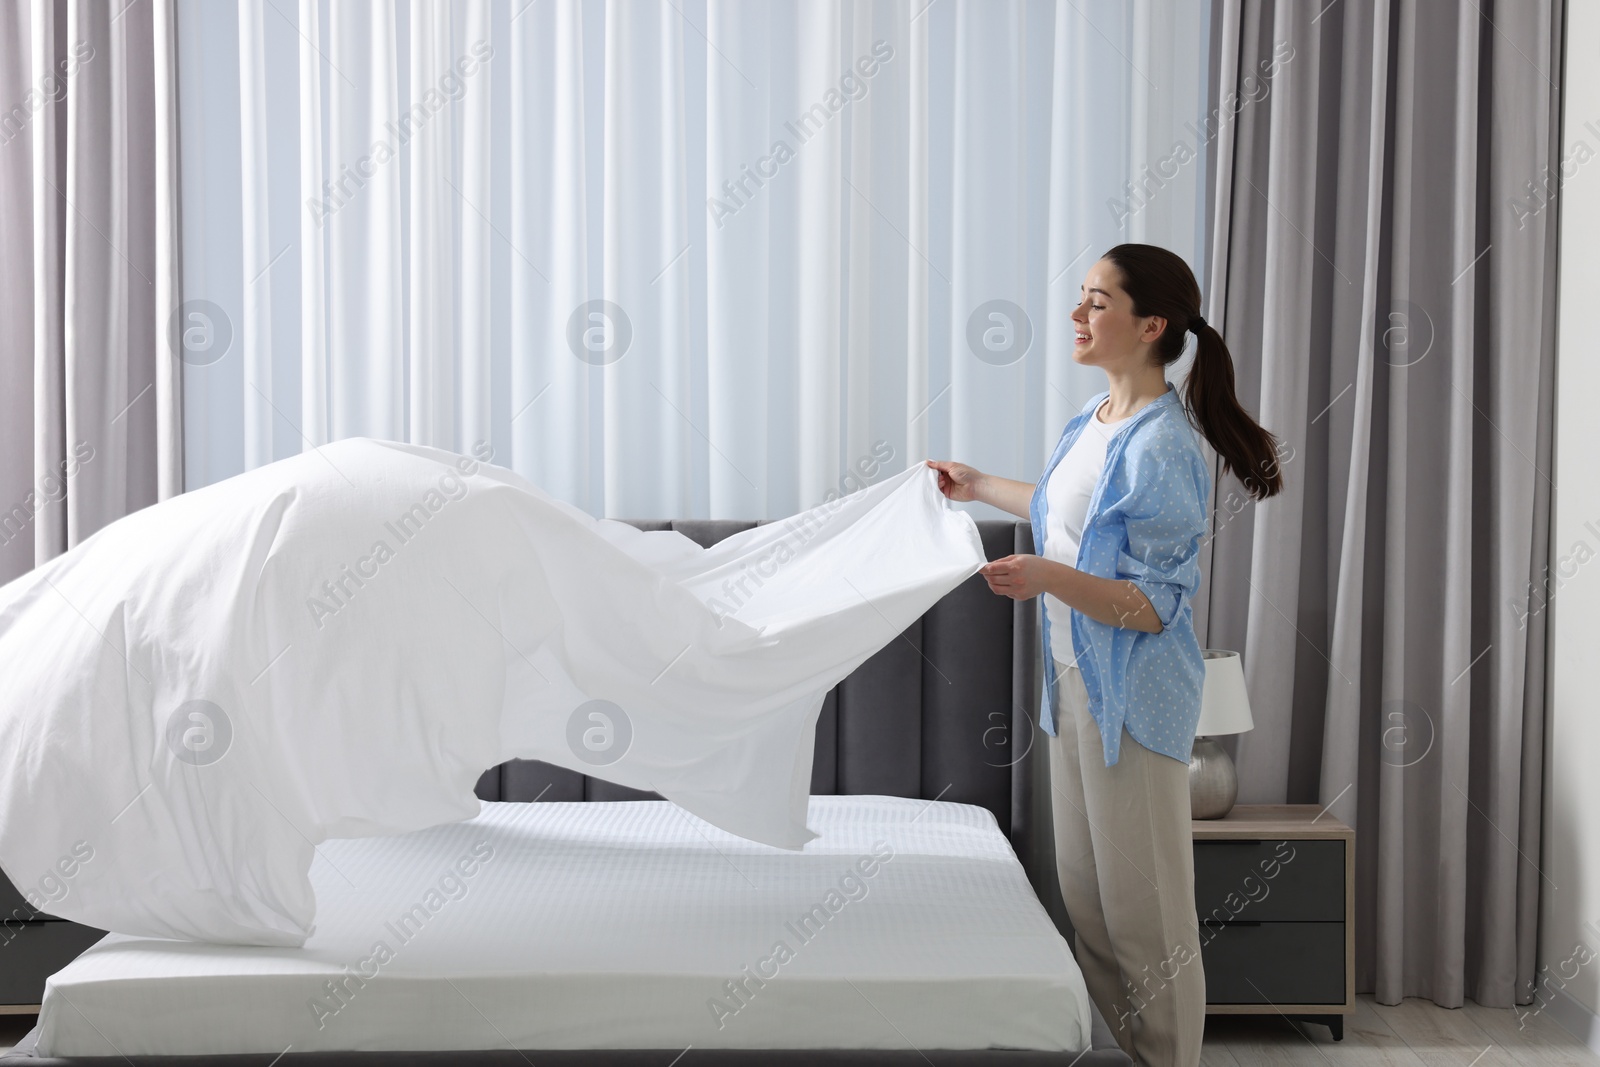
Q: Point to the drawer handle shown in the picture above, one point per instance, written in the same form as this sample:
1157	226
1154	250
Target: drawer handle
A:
1230	922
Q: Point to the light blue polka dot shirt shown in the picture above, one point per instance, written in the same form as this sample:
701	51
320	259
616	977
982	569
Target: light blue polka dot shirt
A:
1144	524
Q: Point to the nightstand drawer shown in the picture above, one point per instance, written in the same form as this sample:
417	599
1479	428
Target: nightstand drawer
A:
1269	881
30	954
1274	963
12	904
14	907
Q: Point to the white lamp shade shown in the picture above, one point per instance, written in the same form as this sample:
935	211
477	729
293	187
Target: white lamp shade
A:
1225	706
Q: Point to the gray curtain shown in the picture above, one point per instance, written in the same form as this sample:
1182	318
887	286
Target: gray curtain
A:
1382	268
89	413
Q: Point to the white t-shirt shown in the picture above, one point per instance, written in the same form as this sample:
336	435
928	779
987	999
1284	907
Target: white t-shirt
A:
1067	497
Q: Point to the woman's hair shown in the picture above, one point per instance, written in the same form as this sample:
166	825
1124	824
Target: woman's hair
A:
1161	284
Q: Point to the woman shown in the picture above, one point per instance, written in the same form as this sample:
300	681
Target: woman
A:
1120	511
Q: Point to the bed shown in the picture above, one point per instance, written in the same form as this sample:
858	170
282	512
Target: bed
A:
579	922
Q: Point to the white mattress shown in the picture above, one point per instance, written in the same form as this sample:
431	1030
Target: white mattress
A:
616	925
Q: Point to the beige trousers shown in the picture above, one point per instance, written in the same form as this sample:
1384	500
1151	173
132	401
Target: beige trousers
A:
1125	857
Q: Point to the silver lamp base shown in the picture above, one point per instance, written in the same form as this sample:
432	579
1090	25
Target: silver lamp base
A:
1213	782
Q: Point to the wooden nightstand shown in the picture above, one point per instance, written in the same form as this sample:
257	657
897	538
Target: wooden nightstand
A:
1274	885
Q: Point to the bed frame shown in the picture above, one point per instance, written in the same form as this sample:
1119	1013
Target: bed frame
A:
945	712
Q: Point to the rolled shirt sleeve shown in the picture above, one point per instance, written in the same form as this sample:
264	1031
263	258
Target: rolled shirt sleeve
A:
1164	518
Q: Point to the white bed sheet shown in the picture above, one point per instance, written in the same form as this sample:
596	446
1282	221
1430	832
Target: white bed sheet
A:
336	644
616	925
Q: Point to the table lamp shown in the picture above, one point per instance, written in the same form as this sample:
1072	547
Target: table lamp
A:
1224	709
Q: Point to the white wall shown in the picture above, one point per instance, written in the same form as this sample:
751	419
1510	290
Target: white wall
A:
1570	909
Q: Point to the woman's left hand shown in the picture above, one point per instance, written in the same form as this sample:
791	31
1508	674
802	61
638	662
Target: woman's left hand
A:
1018	577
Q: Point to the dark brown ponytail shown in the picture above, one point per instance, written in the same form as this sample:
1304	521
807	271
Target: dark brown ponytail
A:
1161	284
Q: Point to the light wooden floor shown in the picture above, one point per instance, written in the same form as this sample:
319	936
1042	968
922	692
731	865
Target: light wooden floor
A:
1414	1033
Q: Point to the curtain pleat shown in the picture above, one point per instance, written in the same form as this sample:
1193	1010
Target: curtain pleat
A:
823	198
863	310
255	326
48	54
986	213
475	281
646	388
551	411
739	362
96	285
918	397
22	292
316	194
431	204
168	250
366	385
1277	199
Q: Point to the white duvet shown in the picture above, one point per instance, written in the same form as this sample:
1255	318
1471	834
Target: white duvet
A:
338	644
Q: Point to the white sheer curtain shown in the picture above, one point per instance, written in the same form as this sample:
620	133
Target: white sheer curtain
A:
713	259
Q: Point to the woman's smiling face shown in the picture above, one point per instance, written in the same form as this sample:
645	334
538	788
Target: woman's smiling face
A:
1108	333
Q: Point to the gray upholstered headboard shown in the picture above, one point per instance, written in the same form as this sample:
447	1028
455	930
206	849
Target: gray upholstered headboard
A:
947	713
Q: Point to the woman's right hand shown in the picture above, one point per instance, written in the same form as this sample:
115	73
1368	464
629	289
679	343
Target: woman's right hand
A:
957	480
